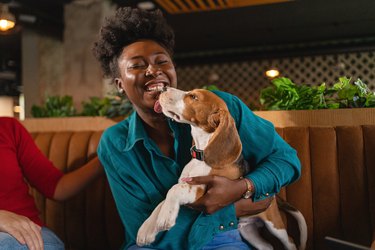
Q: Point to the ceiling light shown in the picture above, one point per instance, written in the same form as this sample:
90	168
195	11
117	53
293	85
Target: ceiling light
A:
7	19
272	73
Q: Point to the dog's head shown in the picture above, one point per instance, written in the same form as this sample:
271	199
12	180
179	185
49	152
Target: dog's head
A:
206	110
198	107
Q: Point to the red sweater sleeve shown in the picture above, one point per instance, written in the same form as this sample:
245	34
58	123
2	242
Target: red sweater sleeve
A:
37	169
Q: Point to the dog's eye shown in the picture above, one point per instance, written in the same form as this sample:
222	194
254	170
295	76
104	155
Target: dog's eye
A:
194	97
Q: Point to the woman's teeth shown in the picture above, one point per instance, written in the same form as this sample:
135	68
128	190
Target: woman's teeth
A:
157	89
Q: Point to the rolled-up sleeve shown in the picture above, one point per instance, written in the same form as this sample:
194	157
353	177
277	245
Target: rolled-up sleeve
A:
274	163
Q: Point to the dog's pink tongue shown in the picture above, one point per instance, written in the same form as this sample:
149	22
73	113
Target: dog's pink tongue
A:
157	107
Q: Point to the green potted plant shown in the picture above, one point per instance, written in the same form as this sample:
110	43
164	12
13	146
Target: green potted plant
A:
112	106
286	95
55	106
346	102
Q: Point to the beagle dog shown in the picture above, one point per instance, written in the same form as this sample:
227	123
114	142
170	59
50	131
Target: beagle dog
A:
212	126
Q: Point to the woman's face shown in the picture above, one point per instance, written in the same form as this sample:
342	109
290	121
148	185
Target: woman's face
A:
145	64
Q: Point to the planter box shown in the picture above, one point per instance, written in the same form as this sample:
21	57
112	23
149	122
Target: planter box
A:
322	117
82	123
292	118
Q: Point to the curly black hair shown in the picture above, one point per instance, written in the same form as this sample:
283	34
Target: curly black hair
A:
127	26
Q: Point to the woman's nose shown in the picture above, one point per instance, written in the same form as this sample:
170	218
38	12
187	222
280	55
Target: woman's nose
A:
153	70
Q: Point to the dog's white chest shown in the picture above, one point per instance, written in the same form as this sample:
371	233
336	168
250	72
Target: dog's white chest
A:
195	168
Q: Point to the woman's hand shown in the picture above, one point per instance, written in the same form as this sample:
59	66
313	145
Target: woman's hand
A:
220	192
21	228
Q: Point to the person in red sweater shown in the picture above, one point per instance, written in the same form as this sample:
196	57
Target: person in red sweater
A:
23	164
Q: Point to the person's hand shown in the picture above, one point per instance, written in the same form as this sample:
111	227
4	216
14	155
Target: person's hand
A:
250	207
220	192
21	228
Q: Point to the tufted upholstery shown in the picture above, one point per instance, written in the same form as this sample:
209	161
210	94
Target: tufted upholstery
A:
335	193
89	220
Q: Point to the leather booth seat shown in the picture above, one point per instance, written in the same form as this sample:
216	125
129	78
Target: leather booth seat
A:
89	220
336	192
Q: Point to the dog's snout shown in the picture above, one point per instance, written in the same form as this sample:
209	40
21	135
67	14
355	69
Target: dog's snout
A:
171	96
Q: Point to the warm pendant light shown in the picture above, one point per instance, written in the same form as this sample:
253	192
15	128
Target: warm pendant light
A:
7	19
272	73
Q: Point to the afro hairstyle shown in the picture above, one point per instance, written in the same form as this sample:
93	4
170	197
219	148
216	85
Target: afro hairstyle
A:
127	26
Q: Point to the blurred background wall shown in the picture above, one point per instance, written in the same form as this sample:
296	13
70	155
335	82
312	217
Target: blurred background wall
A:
216	43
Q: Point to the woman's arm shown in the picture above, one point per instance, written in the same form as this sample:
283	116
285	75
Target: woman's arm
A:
222	191
44	176
72	183
250	207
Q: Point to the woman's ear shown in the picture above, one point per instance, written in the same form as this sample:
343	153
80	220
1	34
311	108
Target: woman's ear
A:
119	85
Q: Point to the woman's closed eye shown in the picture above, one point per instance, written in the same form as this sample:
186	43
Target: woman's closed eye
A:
137	66
162	62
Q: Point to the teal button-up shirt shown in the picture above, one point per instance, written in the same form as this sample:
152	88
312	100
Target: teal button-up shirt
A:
140	175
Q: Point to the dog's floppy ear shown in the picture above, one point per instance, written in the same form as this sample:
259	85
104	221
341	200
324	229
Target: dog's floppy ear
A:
214	119
225	146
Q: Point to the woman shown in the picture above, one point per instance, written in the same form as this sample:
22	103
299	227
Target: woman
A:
23	164
143	155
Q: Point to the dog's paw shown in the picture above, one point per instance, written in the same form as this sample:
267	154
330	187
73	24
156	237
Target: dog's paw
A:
165	223
146	233
167	217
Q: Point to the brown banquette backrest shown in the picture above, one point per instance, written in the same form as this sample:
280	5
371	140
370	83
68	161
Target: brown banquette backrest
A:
89	220
335	193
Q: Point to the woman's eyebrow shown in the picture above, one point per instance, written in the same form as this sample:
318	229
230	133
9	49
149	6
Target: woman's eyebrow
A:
154	54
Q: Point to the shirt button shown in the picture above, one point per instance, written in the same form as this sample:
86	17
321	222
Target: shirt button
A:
231	224
221	227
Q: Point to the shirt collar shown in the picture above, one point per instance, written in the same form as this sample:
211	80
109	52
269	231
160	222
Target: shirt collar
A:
136	131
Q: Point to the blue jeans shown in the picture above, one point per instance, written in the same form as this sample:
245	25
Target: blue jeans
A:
230	240
50	240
